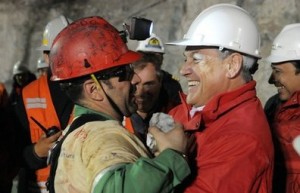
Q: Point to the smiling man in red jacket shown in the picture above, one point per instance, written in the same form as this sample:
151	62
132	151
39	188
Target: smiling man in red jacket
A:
234	145
285	62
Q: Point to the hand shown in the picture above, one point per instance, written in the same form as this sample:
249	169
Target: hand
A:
174	139
44	144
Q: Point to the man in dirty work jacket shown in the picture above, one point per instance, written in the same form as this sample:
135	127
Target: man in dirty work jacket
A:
92	63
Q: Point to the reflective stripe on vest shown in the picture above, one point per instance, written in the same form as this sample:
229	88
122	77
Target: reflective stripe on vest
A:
38	104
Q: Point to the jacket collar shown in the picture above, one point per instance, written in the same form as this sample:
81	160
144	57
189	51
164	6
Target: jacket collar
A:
294	100
218	106
79	110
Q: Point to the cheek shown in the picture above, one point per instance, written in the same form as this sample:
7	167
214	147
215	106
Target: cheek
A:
295	84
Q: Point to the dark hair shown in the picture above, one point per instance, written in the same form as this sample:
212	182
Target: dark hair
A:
296	63
155	58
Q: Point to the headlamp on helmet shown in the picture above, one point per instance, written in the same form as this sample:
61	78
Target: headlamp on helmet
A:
140	29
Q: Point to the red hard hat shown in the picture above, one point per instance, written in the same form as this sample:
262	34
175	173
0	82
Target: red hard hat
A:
87	46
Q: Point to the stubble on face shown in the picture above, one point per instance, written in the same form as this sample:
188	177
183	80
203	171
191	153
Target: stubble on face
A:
122	94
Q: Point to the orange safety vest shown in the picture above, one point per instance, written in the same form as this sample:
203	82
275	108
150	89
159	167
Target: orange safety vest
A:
128	124
38	104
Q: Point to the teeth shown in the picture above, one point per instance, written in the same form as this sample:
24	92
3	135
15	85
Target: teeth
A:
193	83
280	87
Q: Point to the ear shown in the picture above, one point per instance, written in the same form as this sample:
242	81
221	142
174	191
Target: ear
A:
92	91
234	65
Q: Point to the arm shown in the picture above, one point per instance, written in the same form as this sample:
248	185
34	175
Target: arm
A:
137	172
34	154
160	174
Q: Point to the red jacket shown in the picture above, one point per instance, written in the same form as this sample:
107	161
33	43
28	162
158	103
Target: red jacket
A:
286	126
234	144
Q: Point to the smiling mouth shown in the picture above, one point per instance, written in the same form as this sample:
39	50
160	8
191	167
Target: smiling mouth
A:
279	88
193	83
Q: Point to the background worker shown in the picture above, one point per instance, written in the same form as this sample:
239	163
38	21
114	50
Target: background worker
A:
22	76
234	144
43	101
101	155
285	125
42	67
156	92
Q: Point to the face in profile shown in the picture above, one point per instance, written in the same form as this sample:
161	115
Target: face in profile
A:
120	87
205	74
285	79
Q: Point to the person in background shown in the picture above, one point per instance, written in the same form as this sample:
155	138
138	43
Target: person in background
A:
42	100
285	124
234	145
21	77
8	144
42	67
156	92
100	155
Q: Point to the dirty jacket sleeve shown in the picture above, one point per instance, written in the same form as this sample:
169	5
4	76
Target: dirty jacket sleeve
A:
160	174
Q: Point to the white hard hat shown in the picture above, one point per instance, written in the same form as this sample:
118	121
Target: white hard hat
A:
19	68
41	64
225	26
151	44
286	46
51	31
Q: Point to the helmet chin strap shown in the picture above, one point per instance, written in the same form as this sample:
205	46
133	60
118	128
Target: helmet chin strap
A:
112	103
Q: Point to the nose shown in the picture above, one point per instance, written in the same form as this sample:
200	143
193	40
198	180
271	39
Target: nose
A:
139	90
185	69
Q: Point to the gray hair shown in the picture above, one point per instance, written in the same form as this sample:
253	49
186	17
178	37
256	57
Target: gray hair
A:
249	63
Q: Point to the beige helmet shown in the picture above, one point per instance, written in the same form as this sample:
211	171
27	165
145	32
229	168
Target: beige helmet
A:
225	26
19	68
41	64
286	46
151	44
51	31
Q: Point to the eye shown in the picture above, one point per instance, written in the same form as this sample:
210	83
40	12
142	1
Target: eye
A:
276	71
197	58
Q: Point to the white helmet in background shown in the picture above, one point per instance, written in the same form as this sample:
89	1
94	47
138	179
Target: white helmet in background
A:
19	68
41	64
224	26
286	46
151	44
51	31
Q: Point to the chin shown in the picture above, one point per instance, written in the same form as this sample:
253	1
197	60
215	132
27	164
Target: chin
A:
190	101
284	97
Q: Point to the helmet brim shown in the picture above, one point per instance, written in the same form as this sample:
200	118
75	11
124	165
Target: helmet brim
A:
190	42
184	42
279	59
129	57
43	48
